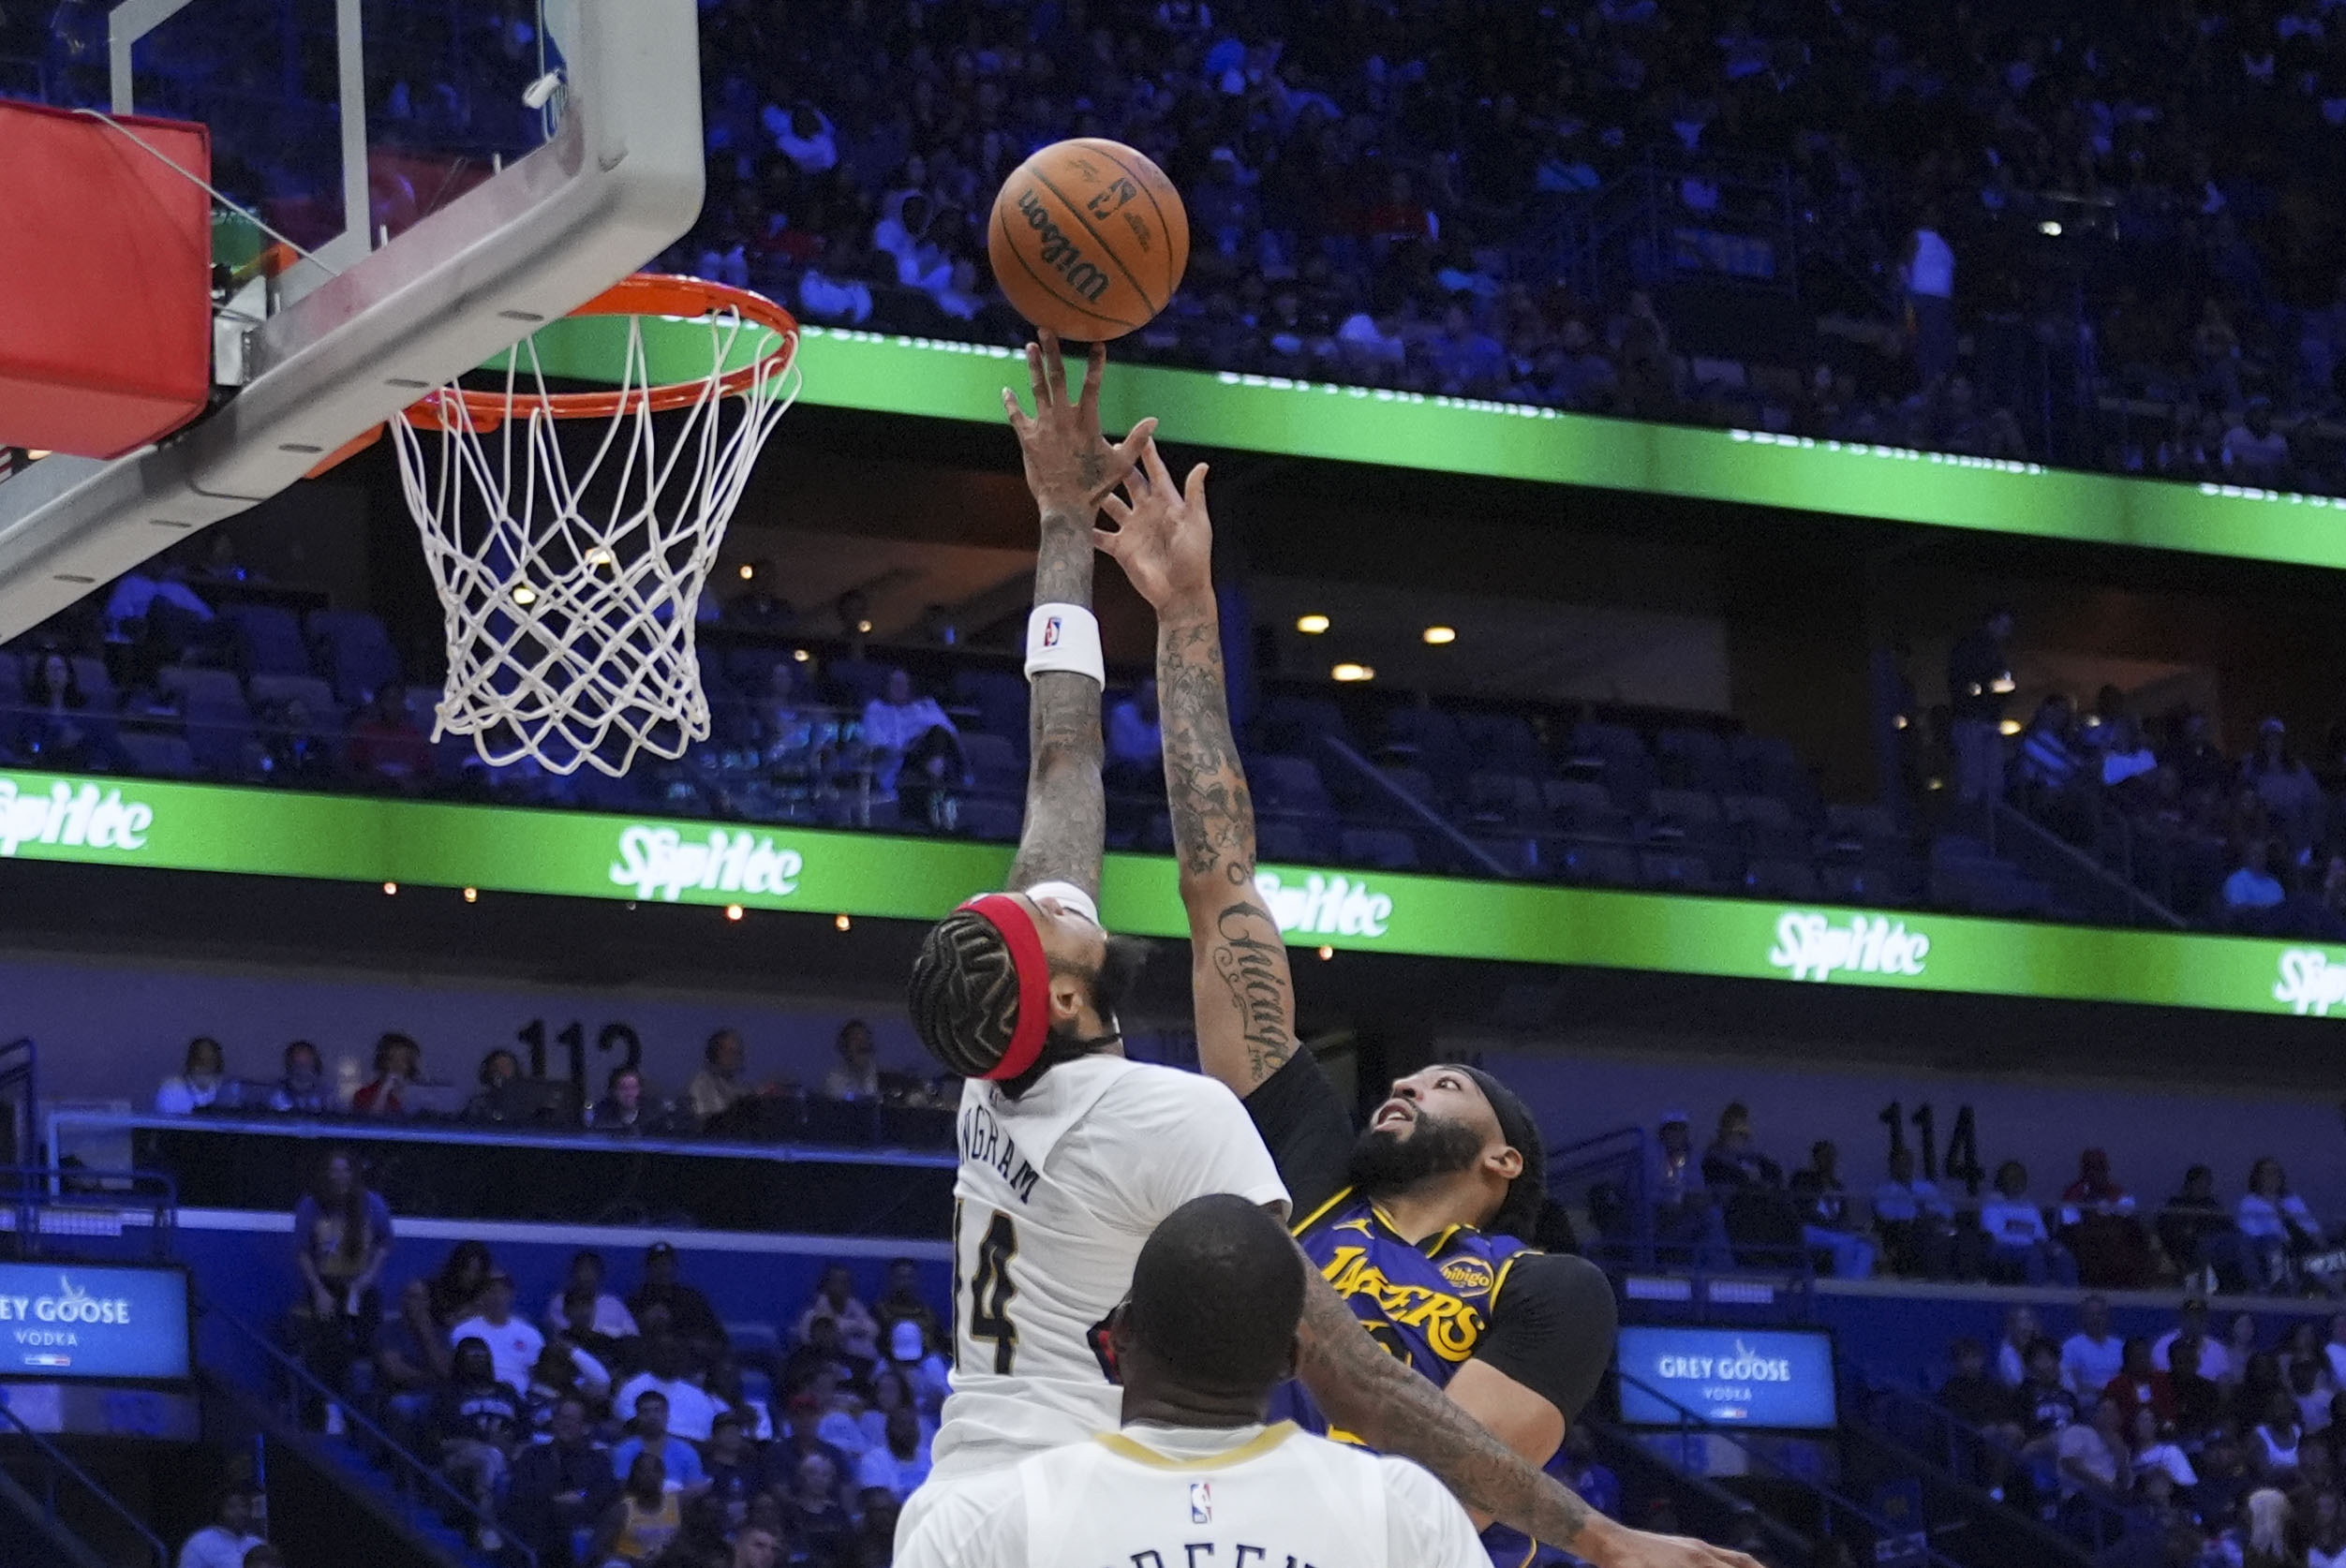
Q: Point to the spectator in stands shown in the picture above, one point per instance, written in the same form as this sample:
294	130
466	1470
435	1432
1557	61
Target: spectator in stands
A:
2224	1480
2274	1444
2310	1388
2050	756
2021	1333
2254	451
302	1090
2018	1244
2128	762
2251	886
498	1069
621	1108
726	1393
646	1516
2096	1451
817	1520
432	1307
1979	1400
1916	1224
2334	1352
610	1318
2091	1357
1577	1466
1928	278
922	1368
899	1461
224	1541
1826	1219
513	1343
387	744
563	1369
2195	1229
2155	1448
717	1085
2138	1386
2275	1226
2290	792
681	1462
200	1083
1731	1161
1686	1220
834	1299
857	1075
691	1412
1979	680
663	1304
909	734
1136	741
479	1423
2046	1409
2098	1227
755	1545
826	1350
265	1555
903	1300
2199	1402
398	1062
559	1485
342	1236
52	730
2215	1362
579	1319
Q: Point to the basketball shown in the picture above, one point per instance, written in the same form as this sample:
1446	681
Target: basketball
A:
1088	239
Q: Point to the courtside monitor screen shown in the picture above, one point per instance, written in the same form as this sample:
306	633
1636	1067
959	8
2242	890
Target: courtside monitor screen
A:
97	1323
1775	1378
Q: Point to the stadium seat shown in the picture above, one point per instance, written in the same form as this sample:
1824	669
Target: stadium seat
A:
1001	700
1687	817
97	684
997	820
1581	860
1615	757
11	679
1691	759
994	763
1505	800
1766	825
1286	839
219	735
1675	868
1426	739
158	756
1287	784
1382	848
1584	809
354	649
1500	743
308	690
854	682
1295	724
190	684
268	640
1781	878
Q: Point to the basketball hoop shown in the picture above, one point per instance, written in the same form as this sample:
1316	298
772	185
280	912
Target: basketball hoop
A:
570	576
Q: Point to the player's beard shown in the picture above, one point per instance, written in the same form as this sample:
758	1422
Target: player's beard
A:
1384	1162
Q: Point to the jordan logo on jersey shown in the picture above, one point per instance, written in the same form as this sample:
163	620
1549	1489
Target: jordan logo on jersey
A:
1201	1502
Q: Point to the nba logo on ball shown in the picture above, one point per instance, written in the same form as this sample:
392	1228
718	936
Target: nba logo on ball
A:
1200	1503
1051	632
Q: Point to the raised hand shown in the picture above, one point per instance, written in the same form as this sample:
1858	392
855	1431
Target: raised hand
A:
1069	465
1163	537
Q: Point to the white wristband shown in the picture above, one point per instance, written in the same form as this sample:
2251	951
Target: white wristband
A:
1065	637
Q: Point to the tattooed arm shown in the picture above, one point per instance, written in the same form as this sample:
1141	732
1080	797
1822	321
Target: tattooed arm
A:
1069	466
1244	995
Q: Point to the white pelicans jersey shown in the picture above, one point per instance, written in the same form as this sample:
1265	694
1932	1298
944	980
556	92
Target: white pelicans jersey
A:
1058	1191
1167	1497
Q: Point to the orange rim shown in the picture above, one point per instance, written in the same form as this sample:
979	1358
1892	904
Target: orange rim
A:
643	294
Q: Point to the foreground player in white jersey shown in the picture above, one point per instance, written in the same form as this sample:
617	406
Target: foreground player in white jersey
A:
1196	1475
1070	1155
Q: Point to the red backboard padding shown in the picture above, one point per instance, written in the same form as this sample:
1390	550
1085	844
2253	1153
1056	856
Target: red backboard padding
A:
105	281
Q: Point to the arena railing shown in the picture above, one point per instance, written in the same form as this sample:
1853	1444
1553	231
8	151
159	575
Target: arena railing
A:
424	1495
39	1204
1840	1513
57	1466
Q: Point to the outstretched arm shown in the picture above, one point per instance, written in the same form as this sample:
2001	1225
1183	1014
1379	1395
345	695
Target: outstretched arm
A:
1244	994
1069	466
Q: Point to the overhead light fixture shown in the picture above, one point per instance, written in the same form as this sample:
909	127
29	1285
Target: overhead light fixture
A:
2010	727
747	572
801	654
2050	228
1310	626
1353	672
525	595
1437	636
842	923
732	912
599	557
391	890
1326	954
864	627
472	895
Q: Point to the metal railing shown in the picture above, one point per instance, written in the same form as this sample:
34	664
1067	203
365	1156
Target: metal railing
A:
423	1493
19	1091
56	1465
1836	1510
1936	1437
41	1201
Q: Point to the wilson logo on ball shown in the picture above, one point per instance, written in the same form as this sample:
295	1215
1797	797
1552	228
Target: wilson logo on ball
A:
1059	252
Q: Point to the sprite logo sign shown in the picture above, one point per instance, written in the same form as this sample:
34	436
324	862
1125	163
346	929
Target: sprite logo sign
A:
2310	983
76	819
661	863
1325	906
1811	947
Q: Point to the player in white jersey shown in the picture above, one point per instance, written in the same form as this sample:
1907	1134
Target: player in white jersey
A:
1071	1156
1195	1475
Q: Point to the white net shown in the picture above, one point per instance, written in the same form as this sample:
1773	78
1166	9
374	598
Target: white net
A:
570	568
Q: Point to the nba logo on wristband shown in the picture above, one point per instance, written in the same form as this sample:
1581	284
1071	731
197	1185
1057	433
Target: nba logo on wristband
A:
1051	632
